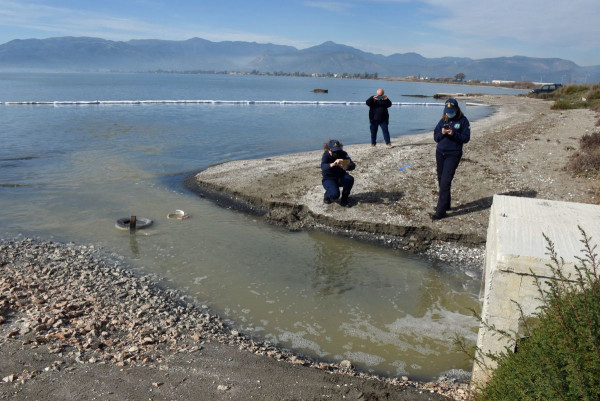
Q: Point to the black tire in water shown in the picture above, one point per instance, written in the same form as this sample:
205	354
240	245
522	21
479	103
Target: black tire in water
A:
141	222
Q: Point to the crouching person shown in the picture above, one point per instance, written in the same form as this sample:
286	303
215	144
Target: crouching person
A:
334	166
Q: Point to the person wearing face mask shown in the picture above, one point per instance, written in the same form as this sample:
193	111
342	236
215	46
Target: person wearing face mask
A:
451	132
335	163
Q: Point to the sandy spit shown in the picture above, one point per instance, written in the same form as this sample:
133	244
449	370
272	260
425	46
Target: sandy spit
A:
520	150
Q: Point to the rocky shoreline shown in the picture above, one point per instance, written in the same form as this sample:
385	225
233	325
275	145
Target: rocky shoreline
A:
84	307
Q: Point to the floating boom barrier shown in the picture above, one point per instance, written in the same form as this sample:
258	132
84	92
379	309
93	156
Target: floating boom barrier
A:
259	102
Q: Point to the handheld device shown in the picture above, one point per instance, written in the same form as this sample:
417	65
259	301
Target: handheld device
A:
345	163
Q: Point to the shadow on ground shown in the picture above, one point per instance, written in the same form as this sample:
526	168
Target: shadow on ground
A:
485	203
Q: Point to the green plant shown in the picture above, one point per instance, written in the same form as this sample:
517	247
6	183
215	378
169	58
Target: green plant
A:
559	359
572	89
568	105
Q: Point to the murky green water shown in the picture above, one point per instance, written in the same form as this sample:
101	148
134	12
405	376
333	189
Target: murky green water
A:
70	172
388	312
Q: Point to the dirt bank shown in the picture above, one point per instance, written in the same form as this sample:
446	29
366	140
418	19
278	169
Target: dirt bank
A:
520	150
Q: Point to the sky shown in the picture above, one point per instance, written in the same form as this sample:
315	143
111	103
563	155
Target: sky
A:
433	28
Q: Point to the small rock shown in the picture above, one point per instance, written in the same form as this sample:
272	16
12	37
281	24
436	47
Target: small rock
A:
222	387
9	379
157	384
346	364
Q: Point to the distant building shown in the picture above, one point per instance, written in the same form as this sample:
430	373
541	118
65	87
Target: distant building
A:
500	82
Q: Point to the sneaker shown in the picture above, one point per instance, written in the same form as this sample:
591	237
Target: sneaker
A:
344	201
388	145
326	200
372	145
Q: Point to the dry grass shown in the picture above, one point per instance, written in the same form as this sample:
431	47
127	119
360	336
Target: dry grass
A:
593	94
586	161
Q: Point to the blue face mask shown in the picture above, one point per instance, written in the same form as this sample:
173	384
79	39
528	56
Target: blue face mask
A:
451	114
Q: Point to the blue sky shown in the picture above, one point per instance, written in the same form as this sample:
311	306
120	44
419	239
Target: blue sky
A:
433	28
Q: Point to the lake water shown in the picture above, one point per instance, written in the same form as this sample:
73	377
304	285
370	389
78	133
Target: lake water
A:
69	172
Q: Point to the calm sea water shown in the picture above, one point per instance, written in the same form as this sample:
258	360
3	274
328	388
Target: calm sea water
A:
68	172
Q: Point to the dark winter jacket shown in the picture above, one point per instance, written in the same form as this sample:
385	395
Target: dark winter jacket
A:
333	173
378	110
461	133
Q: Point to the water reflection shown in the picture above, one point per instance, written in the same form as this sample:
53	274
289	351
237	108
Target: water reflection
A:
333	266
133	245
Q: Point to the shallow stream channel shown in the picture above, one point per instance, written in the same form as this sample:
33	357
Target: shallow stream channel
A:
69	172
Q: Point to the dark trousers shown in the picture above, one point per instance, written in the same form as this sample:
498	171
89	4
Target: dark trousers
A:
384	128
332	186
447	163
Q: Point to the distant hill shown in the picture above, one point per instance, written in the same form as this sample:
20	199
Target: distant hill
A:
83	54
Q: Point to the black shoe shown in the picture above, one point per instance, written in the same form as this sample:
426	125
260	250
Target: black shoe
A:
437	216
435	208
344	201
326	200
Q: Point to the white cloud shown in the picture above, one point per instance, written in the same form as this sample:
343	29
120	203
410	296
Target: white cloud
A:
334	6
63	21
571	23
57	21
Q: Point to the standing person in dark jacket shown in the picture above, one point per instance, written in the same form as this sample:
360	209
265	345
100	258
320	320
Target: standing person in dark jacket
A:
451	133
379	116
334	164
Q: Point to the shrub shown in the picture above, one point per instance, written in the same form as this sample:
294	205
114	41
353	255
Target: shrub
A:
572	89
566	105
586	161
560	360
590	141
593	94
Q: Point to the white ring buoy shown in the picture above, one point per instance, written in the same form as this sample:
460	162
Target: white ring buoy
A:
177	214
140	222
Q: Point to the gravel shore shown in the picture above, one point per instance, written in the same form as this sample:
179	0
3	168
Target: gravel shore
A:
76	323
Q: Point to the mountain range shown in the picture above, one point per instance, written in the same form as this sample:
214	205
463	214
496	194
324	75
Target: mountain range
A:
85	54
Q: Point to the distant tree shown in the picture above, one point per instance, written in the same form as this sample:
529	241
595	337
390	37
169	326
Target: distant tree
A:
459	77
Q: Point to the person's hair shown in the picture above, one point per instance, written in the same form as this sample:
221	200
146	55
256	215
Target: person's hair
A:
458	115
326	144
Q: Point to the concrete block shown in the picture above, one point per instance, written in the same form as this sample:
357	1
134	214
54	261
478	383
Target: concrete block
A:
515	251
